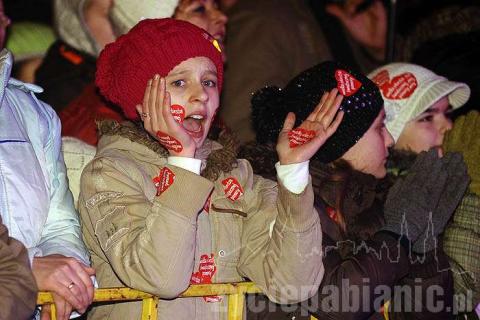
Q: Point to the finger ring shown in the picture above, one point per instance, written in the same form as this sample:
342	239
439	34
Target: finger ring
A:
145	114
70	286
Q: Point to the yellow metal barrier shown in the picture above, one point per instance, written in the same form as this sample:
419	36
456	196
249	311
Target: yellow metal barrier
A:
235	291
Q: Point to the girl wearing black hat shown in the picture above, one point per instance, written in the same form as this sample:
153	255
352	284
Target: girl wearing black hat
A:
367	234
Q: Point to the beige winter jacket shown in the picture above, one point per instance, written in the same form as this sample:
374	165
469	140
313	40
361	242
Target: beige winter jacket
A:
156	243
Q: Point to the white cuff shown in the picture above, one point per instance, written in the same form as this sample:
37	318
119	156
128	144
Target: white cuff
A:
190	164
32	253
293	176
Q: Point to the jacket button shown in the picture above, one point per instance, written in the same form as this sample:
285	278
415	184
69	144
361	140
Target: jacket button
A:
221	253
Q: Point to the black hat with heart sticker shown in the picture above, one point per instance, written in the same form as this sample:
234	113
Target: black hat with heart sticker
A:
362	103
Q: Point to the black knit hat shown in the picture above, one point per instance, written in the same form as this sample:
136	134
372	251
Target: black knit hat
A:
362	103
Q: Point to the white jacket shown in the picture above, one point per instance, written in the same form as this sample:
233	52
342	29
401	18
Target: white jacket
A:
35	202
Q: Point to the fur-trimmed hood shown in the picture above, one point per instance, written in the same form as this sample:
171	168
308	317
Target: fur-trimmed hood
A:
217	156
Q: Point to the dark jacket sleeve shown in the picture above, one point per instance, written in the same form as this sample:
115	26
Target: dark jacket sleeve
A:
374	265
18	290
427	290
354	286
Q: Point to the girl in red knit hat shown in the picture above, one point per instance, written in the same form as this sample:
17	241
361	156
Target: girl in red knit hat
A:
164	205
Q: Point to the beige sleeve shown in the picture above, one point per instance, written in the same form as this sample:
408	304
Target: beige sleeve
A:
18	289
148	242
287	265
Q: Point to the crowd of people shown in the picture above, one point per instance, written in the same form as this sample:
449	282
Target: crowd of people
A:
321	149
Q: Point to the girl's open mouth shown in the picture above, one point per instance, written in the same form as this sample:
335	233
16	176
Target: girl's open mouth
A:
193	124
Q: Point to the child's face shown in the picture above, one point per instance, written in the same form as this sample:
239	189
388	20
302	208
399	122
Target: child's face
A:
427	130
204	14
193	85
370	153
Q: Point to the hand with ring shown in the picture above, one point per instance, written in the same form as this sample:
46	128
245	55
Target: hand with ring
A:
68	280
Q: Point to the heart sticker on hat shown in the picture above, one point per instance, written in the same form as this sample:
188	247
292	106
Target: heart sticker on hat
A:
178	112
165	179
300	136
233	190
400	87
347	85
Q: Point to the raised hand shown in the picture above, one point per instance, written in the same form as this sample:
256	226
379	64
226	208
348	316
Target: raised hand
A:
300	144
159	121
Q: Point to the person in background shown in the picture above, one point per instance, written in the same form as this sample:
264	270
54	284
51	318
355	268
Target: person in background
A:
28	41
374	235
271	41
419	104
35	203
80	116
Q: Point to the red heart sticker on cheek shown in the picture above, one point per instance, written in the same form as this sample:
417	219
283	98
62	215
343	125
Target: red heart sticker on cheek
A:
347	85
233	190
169	142
400	87
178	112
300	136
164	180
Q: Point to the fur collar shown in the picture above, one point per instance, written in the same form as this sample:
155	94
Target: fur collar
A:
217	156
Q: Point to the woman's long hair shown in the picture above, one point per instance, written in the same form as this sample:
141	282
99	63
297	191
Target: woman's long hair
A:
353	195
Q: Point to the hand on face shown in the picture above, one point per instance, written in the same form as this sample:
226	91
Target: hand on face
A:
68	279
300	144
160	123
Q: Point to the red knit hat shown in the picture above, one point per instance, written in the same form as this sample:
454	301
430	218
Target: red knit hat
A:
152	46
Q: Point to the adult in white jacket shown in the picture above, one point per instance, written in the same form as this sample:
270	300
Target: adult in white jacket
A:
35	202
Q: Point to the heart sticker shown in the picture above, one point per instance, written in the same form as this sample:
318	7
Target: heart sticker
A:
165	179
233	190
347	85
169	142
400	87
300	136
178	112
205	273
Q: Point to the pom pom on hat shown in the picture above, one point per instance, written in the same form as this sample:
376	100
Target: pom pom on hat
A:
153	46
408	90
362	103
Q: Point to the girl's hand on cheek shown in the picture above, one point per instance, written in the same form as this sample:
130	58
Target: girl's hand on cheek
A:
160	123
300	144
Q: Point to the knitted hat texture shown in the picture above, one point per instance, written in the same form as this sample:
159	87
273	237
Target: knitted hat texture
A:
127	13
408	90
153	46
362	103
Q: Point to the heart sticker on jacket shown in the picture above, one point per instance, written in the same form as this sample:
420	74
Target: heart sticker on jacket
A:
233	190
164	180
